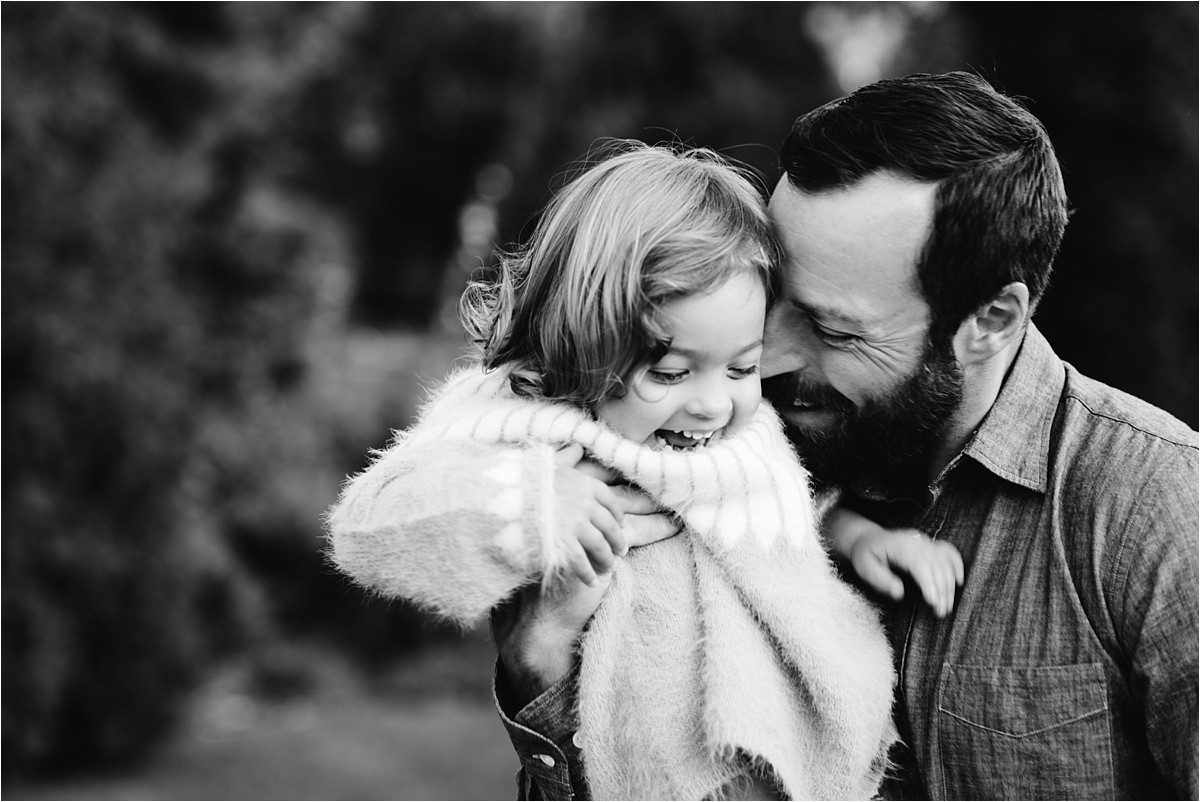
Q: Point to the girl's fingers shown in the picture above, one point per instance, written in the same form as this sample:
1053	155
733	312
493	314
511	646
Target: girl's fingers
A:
951	559
608	517
582	566
609	501
569	455
936	581
926	578
642	530
634	501
878	575
597	537
951	569
596	470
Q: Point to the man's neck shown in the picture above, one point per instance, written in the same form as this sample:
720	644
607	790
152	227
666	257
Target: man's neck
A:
981	387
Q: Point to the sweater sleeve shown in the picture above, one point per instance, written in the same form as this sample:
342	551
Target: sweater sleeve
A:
455	526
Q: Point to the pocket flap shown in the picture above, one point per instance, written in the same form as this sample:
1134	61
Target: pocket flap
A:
1020	701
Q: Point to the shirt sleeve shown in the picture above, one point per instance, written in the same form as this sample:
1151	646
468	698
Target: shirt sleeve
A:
543	735
1154	602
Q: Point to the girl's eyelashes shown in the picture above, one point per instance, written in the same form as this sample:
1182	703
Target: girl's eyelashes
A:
666	376
744	371
676	376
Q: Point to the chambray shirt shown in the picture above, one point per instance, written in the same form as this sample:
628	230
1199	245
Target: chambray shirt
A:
543	733
1068	668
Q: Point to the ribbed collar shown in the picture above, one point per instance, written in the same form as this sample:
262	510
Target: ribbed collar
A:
1013	441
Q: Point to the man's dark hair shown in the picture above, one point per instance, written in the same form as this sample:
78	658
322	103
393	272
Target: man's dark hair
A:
1000	206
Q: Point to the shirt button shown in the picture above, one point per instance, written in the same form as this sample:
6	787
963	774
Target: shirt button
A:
549	761
577	740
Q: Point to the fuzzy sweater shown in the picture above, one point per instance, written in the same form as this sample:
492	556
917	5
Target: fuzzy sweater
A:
735	642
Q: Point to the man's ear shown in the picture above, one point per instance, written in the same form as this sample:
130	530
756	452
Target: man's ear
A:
997	324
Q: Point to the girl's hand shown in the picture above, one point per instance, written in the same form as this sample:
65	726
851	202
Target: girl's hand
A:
537	630
589	515
934	566
881	557
643	521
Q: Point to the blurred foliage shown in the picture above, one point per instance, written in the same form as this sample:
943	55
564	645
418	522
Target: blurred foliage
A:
168	451
229	228
1117	89
423	100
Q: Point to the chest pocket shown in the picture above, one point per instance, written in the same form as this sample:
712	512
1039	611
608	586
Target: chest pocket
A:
1038	732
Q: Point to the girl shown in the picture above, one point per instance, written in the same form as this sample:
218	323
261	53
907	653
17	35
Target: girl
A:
632	325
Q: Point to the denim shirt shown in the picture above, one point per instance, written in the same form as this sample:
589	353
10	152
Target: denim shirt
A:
543	733
1068	668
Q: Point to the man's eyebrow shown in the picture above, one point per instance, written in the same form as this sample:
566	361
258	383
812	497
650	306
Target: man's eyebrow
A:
691	353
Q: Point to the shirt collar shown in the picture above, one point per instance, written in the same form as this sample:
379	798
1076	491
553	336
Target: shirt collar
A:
1013	441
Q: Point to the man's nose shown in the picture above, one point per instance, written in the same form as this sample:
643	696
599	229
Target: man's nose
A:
785	349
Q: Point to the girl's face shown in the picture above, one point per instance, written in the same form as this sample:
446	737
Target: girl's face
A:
707	384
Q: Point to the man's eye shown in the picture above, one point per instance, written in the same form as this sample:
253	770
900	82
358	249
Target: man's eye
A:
743	372
834	337
666	376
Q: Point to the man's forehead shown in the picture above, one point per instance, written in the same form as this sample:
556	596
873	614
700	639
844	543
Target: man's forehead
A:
880	196
853	252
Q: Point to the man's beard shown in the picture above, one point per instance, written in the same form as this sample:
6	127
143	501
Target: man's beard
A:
888	443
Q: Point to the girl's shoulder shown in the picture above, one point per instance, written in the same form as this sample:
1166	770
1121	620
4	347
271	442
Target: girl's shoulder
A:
470	378
475	403
467	384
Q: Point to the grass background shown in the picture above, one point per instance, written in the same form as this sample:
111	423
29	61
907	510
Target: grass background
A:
423	728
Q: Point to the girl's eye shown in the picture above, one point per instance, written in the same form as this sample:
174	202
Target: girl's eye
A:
743	372
666	376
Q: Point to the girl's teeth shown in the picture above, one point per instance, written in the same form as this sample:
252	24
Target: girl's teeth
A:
701	438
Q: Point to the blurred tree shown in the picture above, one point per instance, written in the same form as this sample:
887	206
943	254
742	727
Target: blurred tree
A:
166	461
95	411
425	96
393	133
727	76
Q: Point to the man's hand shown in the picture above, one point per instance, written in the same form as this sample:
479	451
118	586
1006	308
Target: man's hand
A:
881	556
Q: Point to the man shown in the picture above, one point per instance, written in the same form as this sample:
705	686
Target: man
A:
920	217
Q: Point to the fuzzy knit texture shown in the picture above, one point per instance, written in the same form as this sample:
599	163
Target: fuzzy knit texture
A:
732	644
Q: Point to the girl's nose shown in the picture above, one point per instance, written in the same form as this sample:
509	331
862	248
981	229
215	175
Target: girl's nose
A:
712	401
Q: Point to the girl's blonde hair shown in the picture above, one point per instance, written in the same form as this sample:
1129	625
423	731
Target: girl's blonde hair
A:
574	312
